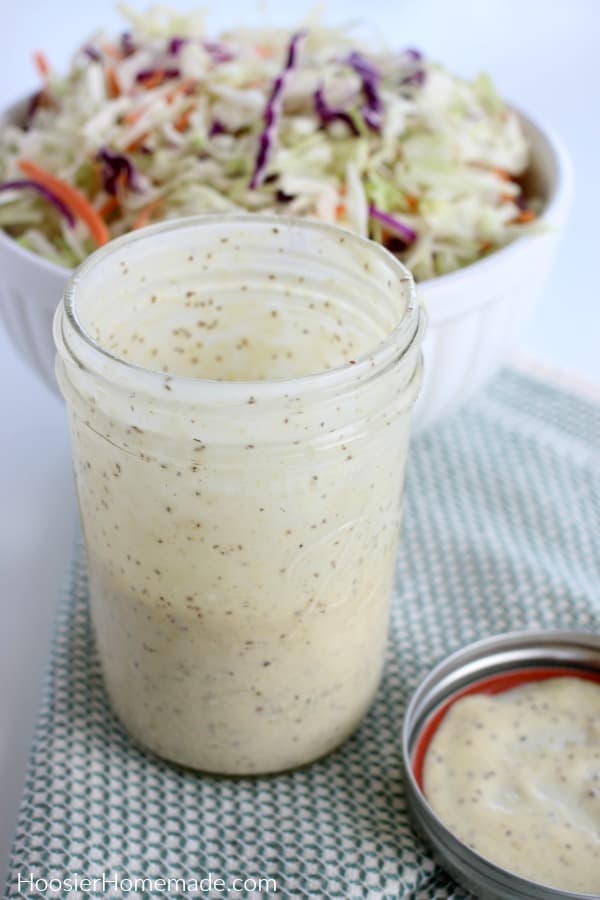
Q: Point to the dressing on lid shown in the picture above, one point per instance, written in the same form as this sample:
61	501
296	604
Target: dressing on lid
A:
516	776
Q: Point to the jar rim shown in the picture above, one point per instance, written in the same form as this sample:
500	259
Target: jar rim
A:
93	355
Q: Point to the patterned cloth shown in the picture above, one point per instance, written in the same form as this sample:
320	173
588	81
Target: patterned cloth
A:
501	530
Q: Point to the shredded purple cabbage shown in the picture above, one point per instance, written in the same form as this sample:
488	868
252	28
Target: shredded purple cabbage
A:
370	76
217	52
373	100
147	74
372	118
40	100
282	197
417	77
176	45
92	53
32	107
26	184
362	66
412	58
406	234
272	113
327	113
114	167
217	127
127	44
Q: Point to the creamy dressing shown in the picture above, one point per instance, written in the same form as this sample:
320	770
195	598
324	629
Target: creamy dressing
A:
241	552
516	776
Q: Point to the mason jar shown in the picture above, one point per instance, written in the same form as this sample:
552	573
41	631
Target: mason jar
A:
239	390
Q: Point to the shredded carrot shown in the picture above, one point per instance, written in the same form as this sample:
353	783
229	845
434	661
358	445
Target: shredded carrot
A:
112	84
145	214
501	173
112	203
182	123
526	215
41	64
134	116
265	52
71	197
412	202
135	145
108	207
96	177
112	51
155	80
340	209
507	198
184	87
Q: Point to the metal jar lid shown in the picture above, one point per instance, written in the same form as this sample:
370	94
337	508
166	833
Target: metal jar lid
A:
567	652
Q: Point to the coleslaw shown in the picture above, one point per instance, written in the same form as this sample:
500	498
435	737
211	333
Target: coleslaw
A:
167	121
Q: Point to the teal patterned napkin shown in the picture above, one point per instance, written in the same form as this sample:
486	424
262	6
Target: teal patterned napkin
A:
501	530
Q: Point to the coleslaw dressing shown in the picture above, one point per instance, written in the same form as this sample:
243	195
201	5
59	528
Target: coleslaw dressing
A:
516	776
240	538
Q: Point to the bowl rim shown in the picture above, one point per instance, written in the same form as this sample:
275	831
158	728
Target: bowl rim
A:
560	195
559	199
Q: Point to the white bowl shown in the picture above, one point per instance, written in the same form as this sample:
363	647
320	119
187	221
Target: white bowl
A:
476	315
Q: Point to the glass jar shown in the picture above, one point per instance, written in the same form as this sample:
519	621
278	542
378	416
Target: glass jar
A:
239	391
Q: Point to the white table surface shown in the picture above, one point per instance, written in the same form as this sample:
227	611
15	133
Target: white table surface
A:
542	55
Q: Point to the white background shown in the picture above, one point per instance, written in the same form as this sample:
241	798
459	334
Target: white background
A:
542	54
